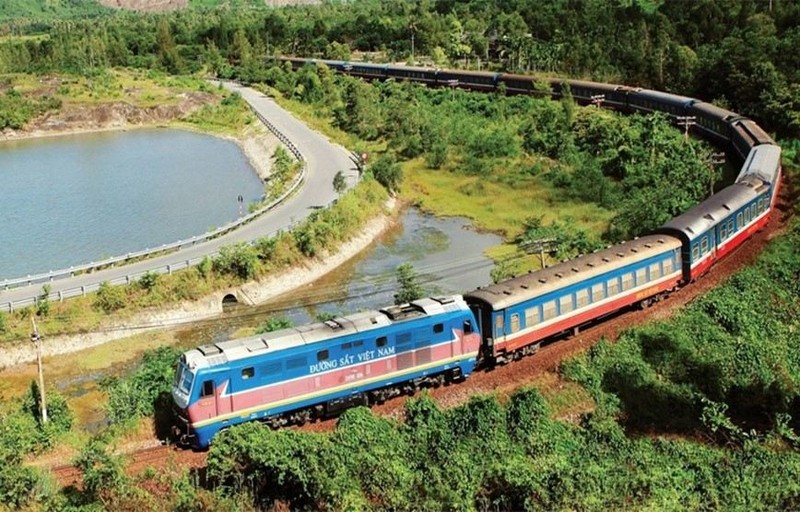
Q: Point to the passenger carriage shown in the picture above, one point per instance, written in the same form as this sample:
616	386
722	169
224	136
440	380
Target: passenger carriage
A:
764	163
719	224
746	135
474	80
519	313
712	121
302	373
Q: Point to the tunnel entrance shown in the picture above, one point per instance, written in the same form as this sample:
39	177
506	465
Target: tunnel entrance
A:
229	301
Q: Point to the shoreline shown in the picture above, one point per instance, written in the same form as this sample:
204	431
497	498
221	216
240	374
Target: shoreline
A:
250	293
257	148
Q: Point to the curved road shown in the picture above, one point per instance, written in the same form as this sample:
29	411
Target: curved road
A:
323	160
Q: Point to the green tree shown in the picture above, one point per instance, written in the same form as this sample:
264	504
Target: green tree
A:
387	171
408	288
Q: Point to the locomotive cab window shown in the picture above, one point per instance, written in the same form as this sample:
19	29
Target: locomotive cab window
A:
380	342
438	328
322	355
208	388
467	327
248	373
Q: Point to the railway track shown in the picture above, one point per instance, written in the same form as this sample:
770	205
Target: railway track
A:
504	379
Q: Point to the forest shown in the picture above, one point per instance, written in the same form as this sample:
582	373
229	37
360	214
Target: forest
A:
699	411
735	53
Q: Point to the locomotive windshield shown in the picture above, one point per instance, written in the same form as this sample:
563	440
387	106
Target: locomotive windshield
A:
184	379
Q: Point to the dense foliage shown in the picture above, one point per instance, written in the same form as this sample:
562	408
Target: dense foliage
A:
16	109
637	166
719	384
739	53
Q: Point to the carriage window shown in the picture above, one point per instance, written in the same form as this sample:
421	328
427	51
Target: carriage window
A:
598	292
704	246
549	310
641	276
613	286
515	322
627	281
438	328
248	373
565	303
531	316
730	227
746	215
498	324
208	388
380	342
322	355
695	252
667	266
723	232
655	271
582	297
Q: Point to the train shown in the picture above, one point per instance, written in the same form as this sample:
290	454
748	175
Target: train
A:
309	372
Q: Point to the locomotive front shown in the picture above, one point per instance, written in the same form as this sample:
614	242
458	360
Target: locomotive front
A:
181	395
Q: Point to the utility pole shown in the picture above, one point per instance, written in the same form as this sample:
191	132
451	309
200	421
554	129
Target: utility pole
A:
38	341
714	160
686	122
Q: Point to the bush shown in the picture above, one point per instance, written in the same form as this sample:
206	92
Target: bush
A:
240	260
109	298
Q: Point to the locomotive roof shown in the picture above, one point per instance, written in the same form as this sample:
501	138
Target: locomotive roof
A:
540	282
707	214
763	162
242	348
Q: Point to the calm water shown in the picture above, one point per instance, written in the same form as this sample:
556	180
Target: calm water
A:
75	199
446	255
